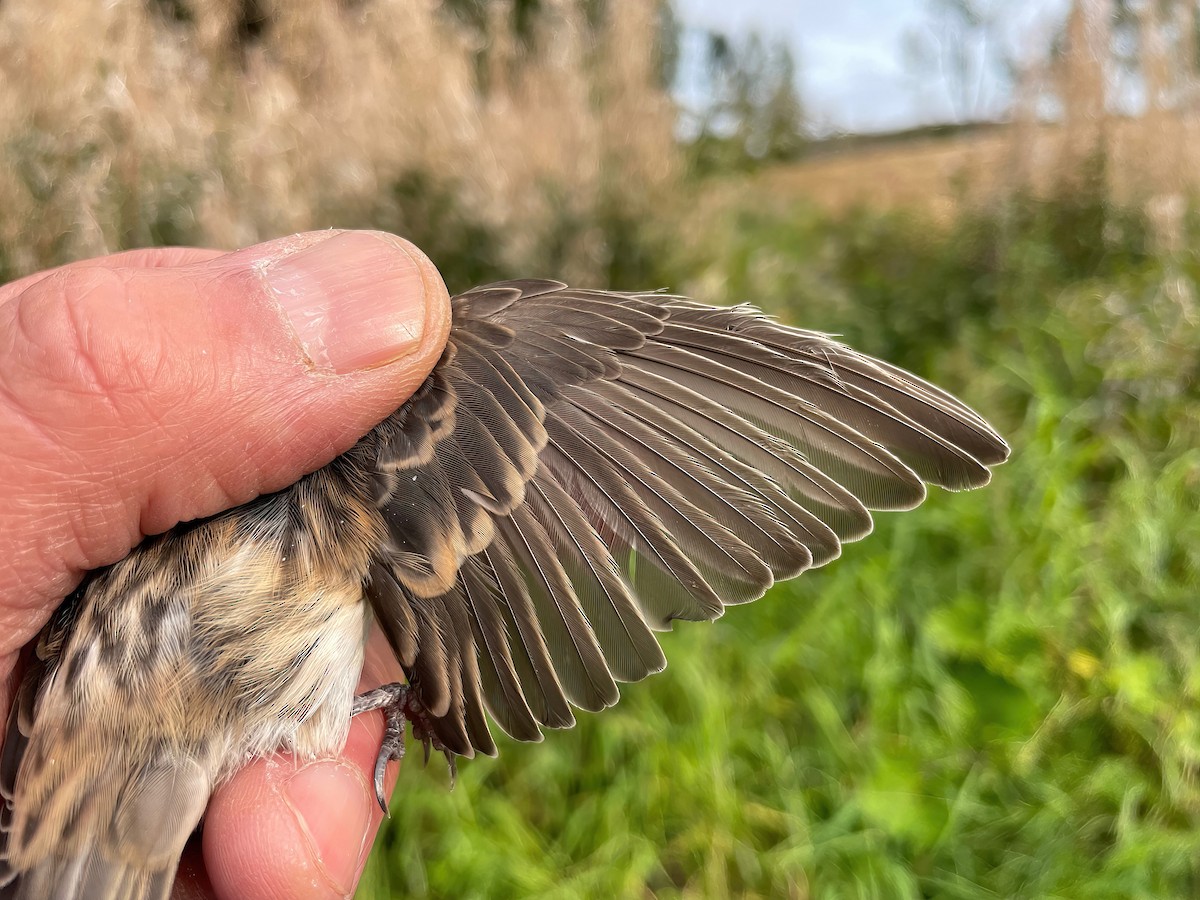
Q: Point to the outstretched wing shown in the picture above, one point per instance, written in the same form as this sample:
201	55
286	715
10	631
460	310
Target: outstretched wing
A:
583	468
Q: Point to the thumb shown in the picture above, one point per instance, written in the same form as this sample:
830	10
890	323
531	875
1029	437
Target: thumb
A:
135	396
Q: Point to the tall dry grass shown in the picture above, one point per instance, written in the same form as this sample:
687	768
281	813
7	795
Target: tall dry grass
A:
223	123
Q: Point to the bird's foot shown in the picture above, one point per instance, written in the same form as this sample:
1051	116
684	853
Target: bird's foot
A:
399	703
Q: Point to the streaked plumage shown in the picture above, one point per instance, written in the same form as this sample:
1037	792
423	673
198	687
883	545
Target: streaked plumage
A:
580	469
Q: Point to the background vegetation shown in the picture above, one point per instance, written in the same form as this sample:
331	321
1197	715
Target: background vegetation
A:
995	696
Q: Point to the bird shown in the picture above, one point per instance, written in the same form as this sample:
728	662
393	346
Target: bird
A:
581	469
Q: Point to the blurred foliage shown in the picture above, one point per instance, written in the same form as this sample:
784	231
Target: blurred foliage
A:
619	242
429	211
521	18
995	696
755	115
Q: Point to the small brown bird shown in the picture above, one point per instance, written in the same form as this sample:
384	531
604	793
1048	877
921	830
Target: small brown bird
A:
581	469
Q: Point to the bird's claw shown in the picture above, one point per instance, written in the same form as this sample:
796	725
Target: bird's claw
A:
399	703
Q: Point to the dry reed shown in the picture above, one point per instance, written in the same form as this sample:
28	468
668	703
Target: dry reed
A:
224	123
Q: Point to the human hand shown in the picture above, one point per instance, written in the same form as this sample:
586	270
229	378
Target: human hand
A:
149	388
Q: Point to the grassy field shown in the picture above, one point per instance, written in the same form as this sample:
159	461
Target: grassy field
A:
940	173
993	696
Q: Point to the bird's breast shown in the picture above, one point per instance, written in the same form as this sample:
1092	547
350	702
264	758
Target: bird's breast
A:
241	635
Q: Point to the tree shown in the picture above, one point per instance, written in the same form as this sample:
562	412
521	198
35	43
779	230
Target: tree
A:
753	113
961	47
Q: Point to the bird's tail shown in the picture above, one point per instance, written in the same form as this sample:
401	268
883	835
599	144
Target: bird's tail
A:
88	826
90	875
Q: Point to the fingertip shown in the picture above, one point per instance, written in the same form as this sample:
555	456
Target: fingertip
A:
282	830
352	300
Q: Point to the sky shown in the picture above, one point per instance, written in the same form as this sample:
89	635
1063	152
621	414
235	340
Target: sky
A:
853	70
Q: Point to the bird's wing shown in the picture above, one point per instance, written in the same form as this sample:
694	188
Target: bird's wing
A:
583	467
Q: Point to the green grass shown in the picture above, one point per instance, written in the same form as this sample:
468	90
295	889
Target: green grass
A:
993	696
